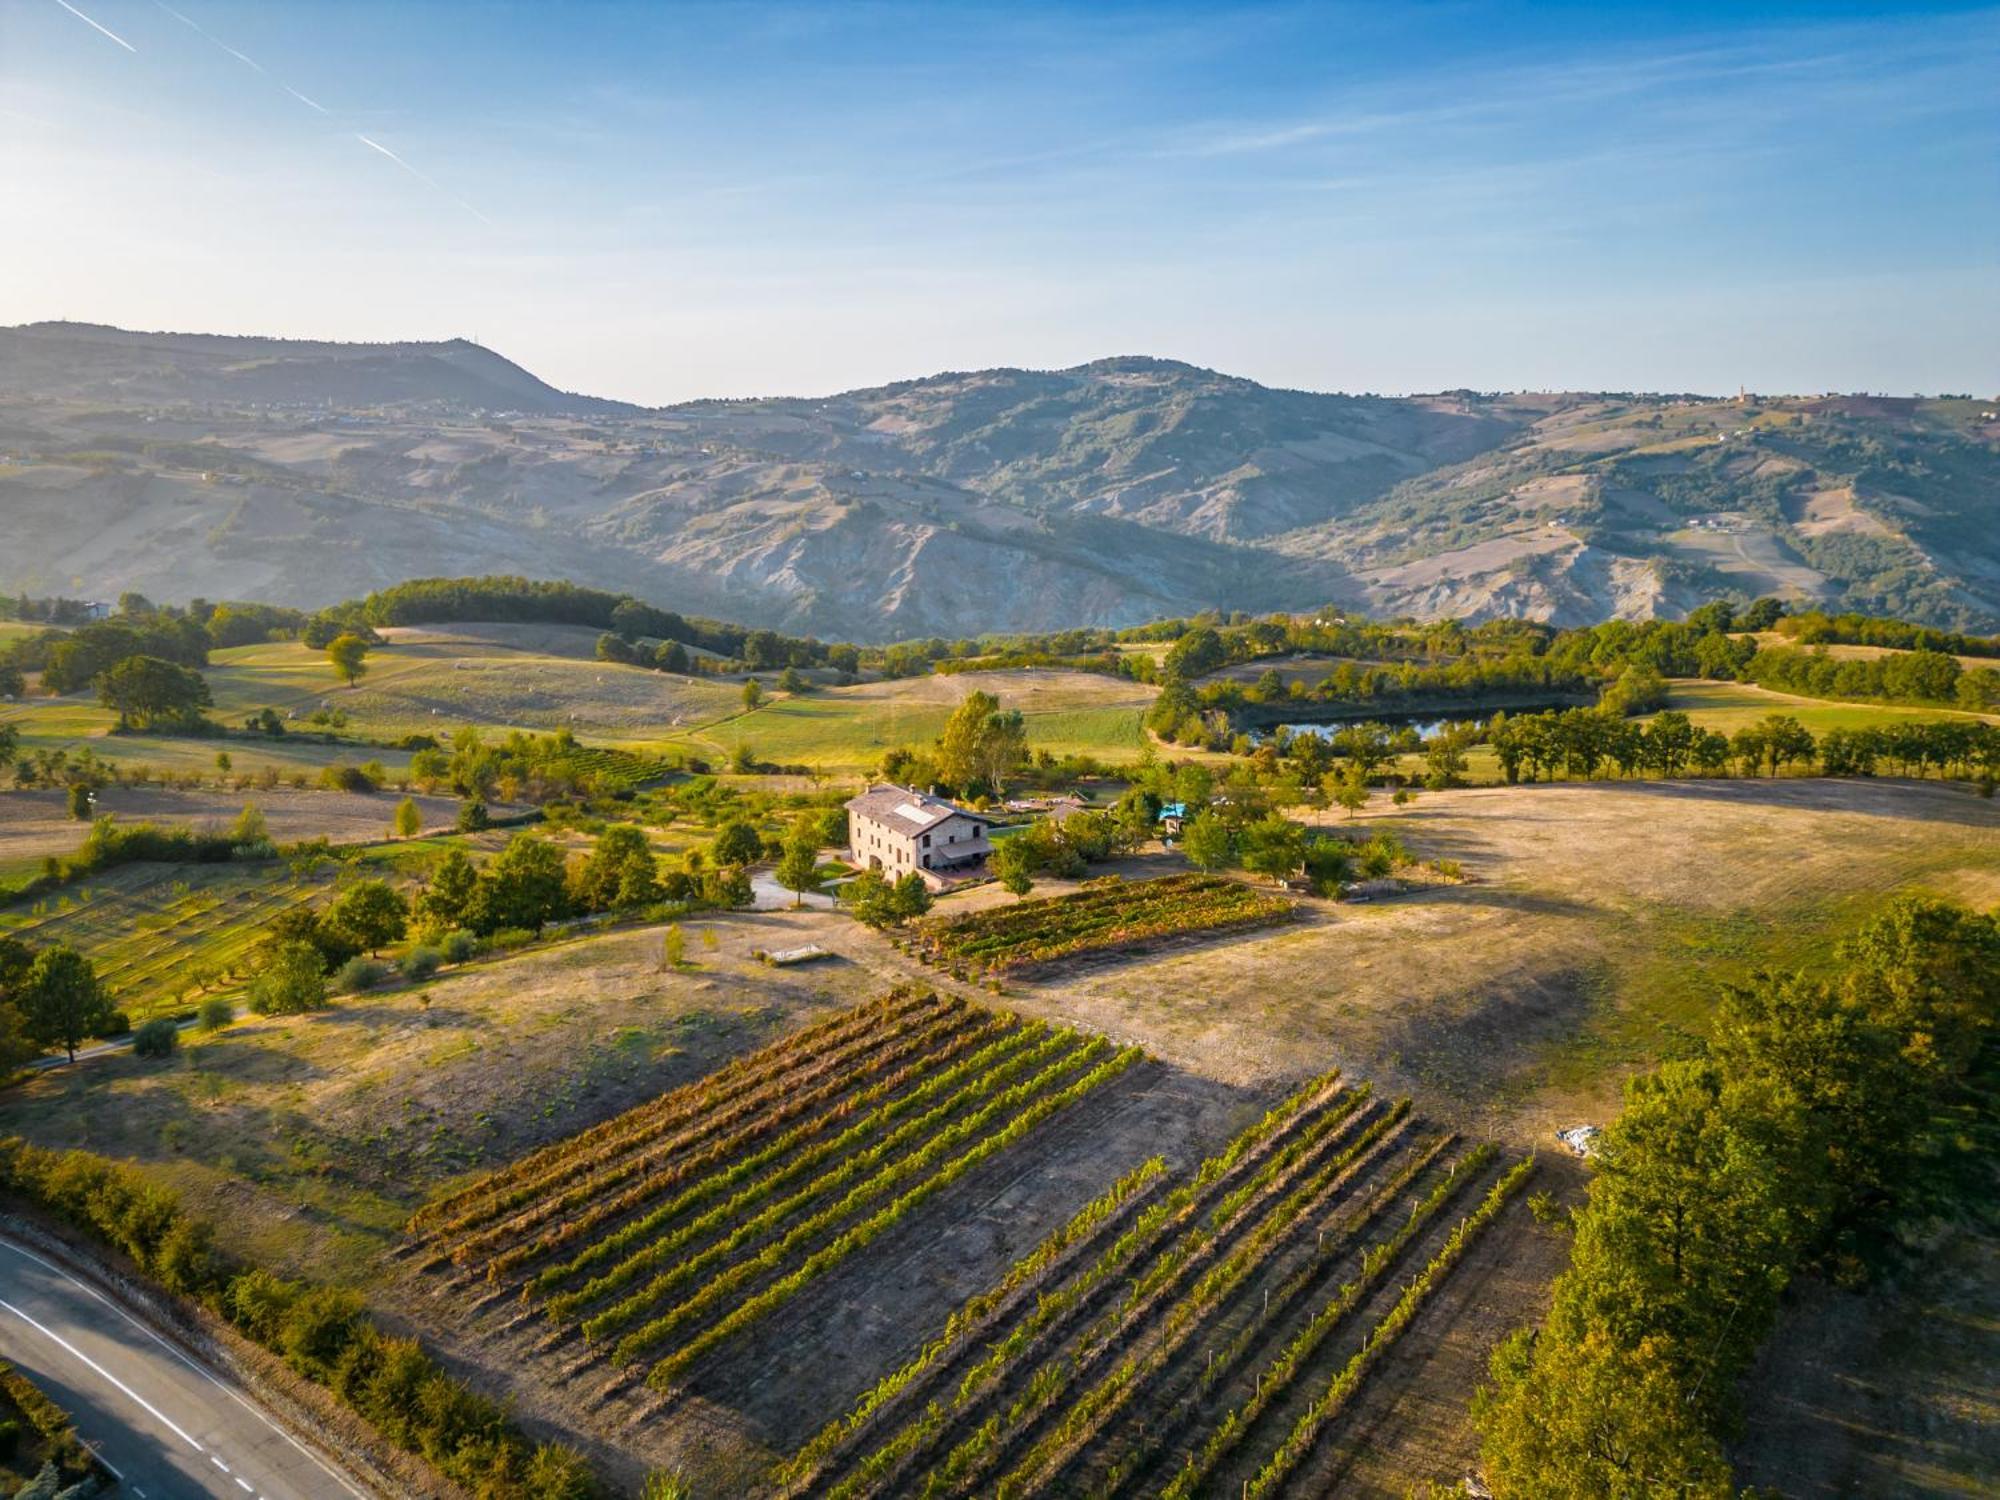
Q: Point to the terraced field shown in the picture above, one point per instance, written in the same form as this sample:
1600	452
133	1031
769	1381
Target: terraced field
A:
151	928
1203	1337
648	1243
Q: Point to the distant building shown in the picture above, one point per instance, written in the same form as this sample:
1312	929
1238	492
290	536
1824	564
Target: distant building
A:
896	830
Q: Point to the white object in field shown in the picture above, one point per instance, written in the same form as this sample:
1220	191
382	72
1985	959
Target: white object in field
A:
1581	1139
785	957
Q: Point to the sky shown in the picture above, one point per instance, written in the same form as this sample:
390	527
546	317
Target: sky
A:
667	201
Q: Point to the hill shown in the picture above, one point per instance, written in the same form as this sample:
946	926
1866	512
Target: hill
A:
967	502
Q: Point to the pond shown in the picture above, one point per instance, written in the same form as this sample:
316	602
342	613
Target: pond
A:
1427	725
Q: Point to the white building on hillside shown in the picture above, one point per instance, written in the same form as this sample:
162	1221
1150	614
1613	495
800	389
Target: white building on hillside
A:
896	830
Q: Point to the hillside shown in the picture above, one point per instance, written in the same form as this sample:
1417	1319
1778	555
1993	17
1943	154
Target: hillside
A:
966	502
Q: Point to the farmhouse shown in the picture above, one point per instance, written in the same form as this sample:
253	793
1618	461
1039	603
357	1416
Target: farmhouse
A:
896	830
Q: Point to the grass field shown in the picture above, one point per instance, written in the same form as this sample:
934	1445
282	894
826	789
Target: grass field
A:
1730	706
848	729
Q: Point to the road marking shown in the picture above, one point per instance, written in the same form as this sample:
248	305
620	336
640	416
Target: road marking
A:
52	1335
334	1474
246	1485
218	1463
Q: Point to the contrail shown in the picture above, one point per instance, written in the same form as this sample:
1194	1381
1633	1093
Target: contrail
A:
94	26
428	182
243	57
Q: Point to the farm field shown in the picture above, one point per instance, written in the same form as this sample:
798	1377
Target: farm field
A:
1115	917
150	929
1193	1336
847	729
75	724
538	678
34	822
1730	706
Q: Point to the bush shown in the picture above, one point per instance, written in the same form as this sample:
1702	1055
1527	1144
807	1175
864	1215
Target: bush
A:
293	980
359	974
117	1023
215	1013
341	778
458	945
473	817
420	963
507	939
157	1038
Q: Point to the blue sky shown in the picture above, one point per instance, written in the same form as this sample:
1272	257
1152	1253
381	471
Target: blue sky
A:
667	201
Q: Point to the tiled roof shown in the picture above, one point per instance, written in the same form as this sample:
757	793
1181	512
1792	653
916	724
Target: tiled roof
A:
912	812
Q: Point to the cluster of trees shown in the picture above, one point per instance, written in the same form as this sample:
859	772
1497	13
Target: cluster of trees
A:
1815	627
1919	676
982	745
323	1333
1820	1107
534	767
424	601
50	997
1582	742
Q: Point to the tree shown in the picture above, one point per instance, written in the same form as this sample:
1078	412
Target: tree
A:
1783	740
348	654
793	681
1445	760
525	887
671	657
79	799
1198	652
620	874
1350	788
447	901
737	843
146	691
1274	846
798	866
409	819
473	817
981	743
1013	863
753	693
62	1000
373	914
673	947
870	898
223	764
292	981
1207	841
909	897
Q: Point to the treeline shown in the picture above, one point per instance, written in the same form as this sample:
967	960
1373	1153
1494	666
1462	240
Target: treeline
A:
323	1333
428	601
1914	676
1815	627
1820	1108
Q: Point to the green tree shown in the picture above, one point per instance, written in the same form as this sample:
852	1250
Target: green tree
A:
1207	841
673	946
1195	654
621	873
671	657
753	693
793	681
79	800
62	1001
372	913
223	764
526	887
870	898
147	692
292	981
1273	846
1445	760
798	865
737	842
981	743
1013	864
409	821
447	901
909	897
348	654
1350	788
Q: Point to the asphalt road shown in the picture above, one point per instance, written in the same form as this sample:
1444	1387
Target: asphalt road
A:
167	1426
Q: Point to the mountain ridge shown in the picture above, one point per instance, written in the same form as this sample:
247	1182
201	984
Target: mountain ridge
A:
963	502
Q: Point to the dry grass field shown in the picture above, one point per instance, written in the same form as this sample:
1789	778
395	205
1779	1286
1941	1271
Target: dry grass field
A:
1595	924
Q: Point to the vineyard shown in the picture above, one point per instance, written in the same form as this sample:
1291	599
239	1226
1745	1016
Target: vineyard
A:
611	770
151	928
638	1248
1177	1339
1109	918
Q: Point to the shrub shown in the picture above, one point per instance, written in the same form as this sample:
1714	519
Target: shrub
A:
359	974
117	1023
343	778
420	963
157	1038
293	980
215	1014
507	939
458	945
473	817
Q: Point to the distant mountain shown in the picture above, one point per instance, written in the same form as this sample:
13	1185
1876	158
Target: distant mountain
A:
989	500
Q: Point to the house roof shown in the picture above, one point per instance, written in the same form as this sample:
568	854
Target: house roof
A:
912	812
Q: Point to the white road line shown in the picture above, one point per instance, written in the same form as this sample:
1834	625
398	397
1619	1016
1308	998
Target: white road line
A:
218	1463
247	1488
334	1474
54	1337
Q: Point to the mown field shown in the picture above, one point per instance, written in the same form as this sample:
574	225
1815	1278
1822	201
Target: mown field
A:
1730	706
848	729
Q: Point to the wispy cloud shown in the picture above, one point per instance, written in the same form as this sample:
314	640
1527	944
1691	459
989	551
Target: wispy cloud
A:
96	26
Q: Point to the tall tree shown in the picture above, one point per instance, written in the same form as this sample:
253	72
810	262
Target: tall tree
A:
348	653
62	1000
